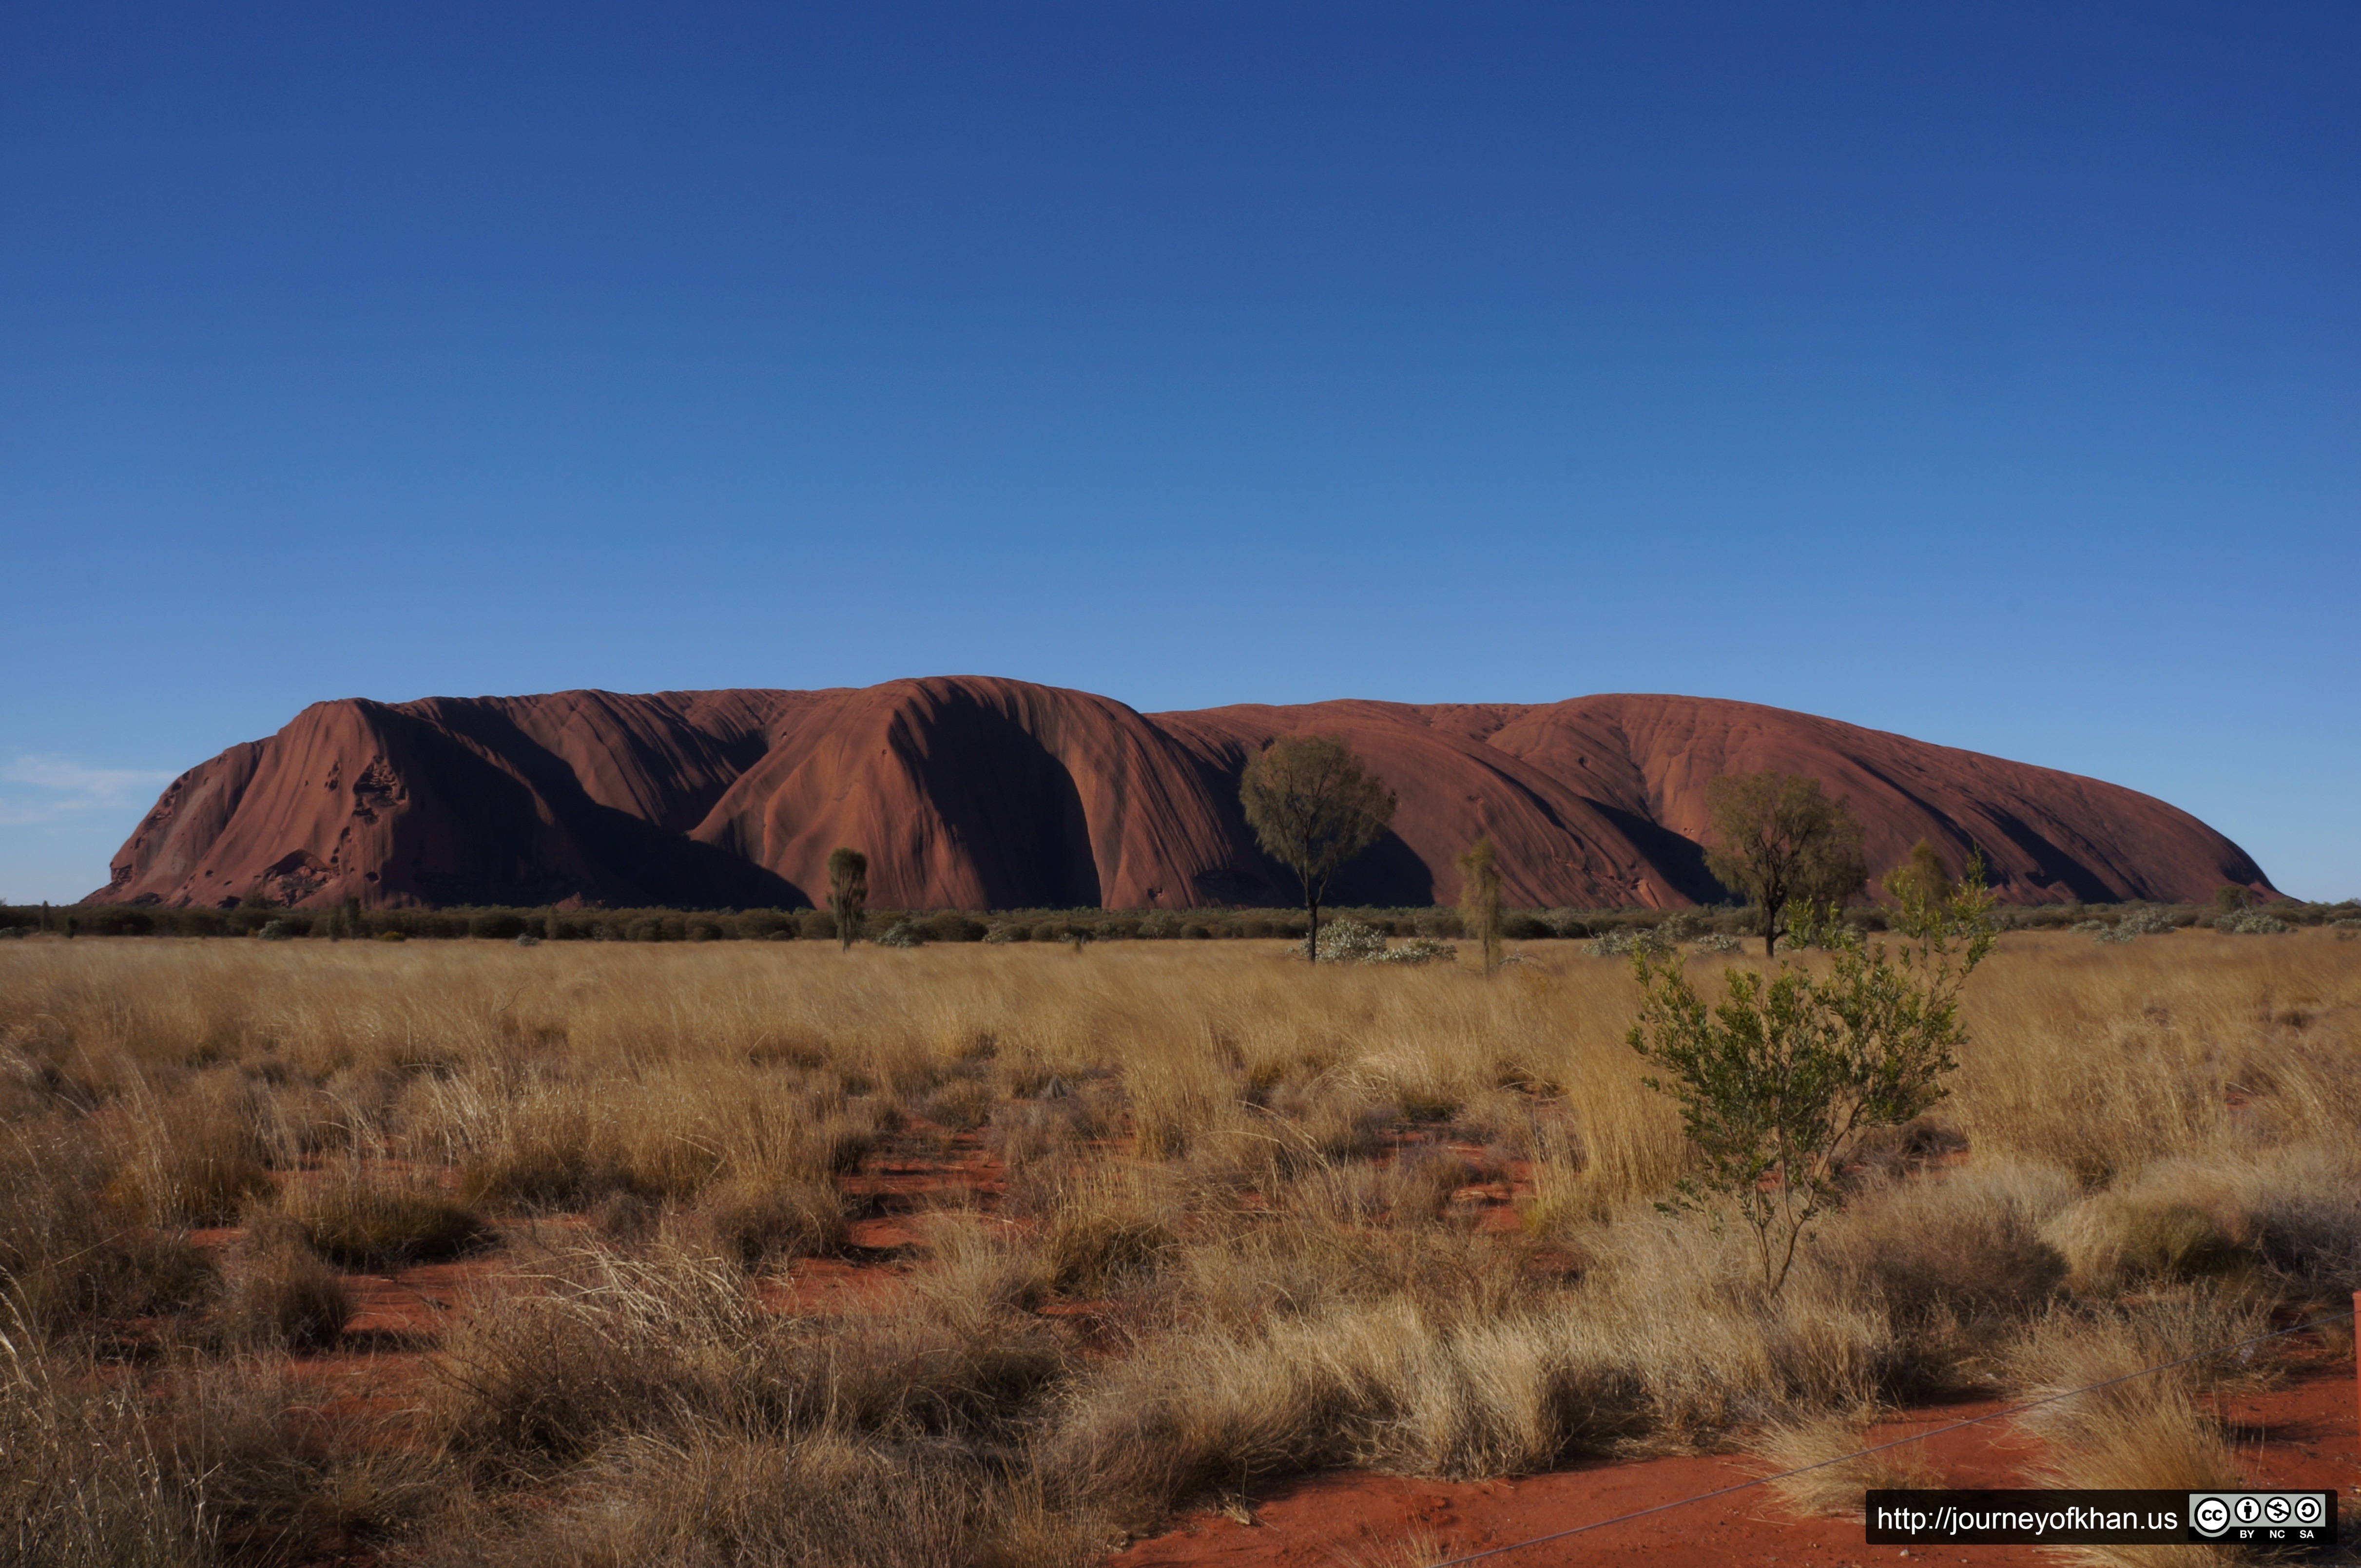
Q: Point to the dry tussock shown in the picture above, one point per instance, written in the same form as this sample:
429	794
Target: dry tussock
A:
1823	1463
1232	1242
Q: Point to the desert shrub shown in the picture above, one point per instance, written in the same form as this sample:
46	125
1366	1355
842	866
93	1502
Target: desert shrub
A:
2251	923
950	925
1444	1381
1717	942
279	1292
789	1046
625	1218
2115	1239
1958	1260
365	1222
276	931
118	921
195	1154
816	926
827	1499
2138	1431
64	1259
1625	940
1778	1082
1028	1132
2288	1216
763	1222
903	934
1422	1180
1824	1472
392	937
1526	928
1327	1124
1348	941
1108	1230
496	924
963	1104
90	1477
596	1345
1418	950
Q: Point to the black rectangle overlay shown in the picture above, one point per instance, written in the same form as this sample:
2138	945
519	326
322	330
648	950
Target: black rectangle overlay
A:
2034	1518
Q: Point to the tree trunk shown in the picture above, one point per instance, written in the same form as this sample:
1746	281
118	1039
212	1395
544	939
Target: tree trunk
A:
1311	931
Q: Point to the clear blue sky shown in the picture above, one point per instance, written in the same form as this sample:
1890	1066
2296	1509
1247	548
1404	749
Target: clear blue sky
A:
1988	374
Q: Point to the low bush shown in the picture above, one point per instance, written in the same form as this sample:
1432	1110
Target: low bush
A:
279	1294
1106	1232
1348	942
759	1223
1625	940
1419	950
1822	1470
361	1221
950	925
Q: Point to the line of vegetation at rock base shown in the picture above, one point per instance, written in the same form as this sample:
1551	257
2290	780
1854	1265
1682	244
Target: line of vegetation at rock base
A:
545	923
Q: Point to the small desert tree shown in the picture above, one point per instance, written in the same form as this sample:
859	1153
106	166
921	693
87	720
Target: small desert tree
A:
1783	842
1777	1083
1480	899
1314	807
848	893
1924	874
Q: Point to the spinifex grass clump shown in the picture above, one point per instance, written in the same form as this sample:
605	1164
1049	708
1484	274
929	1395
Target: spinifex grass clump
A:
363	1221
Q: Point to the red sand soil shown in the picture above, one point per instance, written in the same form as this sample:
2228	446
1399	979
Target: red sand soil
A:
981	794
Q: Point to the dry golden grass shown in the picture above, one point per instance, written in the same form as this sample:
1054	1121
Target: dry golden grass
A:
1823	1465
1231	1244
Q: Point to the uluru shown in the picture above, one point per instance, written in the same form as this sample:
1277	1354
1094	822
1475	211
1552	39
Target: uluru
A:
977	793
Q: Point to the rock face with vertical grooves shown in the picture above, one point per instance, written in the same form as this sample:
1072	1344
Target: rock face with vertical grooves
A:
975	792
